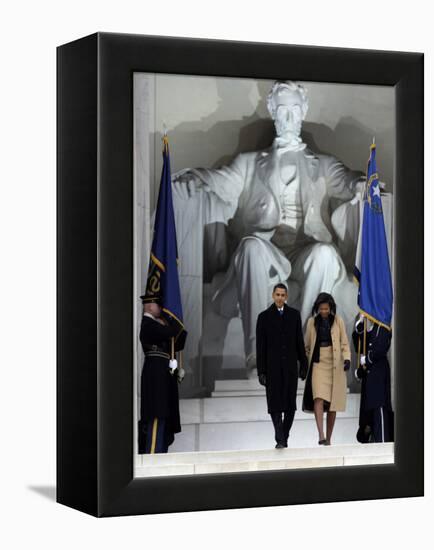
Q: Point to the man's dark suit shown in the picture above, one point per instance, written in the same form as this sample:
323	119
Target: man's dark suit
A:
279	346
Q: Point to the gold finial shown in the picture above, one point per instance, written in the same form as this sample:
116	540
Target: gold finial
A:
165	138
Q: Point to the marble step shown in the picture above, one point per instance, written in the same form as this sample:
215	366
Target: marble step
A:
358	449
243	385
244	393
263	459
249	408
241	393
241	388
219	436
237	385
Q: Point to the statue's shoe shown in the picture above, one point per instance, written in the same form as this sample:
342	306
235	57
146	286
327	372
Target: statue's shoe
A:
251	367
251	373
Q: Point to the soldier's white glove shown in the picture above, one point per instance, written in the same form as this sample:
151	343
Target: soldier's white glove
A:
173	365
363	360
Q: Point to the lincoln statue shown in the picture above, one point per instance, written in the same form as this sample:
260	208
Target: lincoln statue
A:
271	216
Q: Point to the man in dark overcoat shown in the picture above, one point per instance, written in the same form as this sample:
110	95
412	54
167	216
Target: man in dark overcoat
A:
159	407
376	414
279	346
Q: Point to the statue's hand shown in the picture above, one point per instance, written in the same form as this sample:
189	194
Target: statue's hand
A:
359	190
186	184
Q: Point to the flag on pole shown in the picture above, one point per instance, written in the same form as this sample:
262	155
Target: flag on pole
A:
163	279
372	269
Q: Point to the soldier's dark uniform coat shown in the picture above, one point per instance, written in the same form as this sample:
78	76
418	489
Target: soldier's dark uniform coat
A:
279	345
376	390
159	388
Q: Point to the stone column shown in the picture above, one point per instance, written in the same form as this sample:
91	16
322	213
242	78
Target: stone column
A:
144	130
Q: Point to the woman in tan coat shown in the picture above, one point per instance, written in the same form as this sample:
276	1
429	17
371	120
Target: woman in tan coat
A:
329	356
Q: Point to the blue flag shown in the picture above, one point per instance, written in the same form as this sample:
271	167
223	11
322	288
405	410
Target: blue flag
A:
372	269
163	280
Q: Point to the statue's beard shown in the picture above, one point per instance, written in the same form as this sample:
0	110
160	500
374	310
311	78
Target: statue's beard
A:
288	137
288	134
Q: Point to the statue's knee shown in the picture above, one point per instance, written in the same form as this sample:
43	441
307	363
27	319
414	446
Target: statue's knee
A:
250	248
325	253
250	255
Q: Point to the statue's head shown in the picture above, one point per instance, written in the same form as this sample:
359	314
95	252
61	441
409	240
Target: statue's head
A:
287	103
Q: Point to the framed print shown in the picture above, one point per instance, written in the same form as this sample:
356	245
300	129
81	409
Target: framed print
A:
279	172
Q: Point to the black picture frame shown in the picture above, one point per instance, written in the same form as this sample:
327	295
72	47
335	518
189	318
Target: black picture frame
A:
95	274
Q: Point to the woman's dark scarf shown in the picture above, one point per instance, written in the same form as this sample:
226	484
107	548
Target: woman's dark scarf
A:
317	320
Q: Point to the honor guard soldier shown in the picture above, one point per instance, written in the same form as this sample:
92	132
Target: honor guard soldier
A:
376	414
159	410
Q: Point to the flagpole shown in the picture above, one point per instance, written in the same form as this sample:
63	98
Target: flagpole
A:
165	140
365	323
359	342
